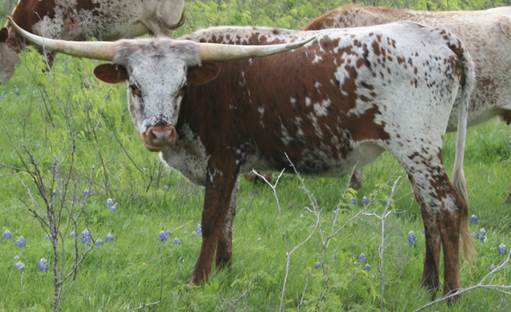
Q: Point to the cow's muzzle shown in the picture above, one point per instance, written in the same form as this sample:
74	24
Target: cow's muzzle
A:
157	137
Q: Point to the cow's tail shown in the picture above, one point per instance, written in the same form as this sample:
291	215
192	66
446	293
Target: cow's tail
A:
467	81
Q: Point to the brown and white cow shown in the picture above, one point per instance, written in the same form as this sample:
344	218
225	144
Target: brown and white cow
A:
487	36
85	19
342	99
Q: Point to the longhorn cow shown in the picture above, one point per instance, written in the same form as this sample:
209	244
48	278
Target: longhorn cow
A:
339	100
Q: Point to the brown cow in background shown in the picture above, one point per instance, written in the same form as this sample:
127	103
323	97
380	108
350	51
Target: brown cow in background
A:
86	19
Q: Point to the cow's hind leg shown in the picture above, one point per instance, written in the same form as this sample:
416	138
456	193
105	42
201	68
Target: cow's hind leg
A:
442	209
224	248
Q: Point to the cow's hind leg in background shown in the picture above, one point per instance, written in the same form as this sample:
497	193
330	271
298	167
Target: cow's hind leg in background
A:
224	248
506	117
221	179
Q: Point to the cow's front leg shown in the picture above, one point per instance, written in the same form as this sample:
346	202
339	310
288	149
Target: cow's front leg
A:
224	248
221	178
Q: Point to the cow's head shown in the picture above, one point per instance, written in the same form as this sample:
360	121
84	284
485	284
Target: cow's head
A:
157	72
8	56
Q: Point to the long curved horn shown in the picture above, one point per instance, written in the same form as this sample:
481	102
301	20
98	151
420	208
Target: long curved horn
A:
224	52
98	50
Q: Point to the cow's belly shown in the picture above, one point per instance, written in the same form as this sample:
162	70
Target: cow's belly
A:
316	161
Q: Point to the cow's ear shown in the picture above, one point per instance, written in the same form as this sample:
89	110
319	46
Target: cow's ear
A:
203	74
111	73
4	34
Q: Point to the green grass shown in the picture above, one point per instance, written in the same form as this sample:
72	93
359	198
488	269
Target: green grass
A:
137	268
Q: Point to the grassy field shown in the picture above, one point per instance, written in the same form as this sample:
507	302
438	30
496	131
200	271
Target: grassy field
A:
48	114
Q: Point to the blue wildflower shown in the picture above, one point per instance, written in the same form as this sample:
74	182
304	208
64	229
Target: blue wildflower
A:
412	239
109	238
474	219
85	237
502	250
198	230
482	235
354	201
20	266
317	265
21	242
111	204
87	193
99	243
362	258
177	242
7	234
42	265
164	236
365	201
367	268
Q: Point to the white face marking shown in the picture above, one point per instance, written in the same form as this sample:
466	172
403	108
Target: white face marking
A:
157	74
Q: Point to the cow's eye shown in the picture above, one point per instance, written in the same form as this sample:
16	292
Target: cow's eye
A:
135	91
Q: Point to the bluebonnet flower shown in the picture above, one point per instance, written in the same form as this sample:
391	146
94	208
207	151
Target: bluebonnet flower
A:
412	239
177	242
164	236
502	250
7	234
87	193
367	268
111	204
481	235
474	219
109	237
365	201
21	242
42	265
354	201
317	265
85	237
362	258
198	230
20	266
99	243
